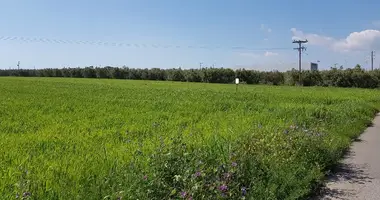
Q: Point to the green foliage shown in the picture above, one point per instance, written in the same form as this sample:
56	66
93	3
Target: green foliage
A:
249	76
273	78
109	139
356	77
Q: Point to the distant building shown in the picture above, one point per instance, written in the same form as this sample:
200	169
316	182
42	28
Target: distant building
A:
314	66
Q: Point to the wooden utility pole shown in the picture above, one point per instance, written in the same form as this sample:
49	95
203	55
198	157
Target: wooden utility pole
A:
300	49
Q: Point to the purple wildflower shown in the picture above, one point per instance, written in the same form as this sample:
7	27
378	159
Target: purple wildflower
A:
243	191
183	194
197	174
234	164
223	188
145	177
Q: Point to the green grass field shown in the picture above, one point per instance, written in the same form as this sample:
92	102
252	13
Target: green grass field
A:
111	139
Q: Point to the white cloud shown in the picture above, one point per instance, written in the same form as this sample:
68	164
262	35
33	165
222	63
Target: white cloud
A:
249	54
363	40
268	53
255	55
263	27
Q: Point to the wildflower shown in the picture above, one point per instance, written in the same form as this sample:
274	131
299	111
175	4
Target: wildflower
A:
223	188
145	177
234	164
177	177
226	175
26	194
183	194
197	174
243	191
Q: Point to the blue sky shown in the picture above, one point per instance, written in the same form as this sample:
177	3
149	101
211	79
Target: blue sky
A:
339	31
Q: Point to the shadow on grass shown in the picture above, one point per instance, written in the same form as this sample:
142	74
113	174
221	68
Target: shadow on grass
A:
340	175
371	124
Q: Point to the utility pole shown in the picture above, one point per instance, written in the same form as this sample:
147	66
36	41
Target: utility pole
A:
372	57
300	49
200	65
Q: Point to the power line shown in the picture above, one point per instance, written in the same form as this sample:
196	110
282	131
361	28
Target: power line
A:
130	45
300	49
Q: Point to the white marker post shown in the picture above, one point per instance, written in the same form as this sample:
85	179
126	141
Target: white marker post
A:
237	83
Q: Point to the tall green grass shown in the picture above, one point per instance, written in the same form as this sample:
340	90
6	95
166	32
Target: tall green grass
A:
112	139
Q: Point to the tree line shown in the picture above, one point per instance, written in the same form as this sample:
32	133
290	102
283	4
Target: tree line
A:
355	77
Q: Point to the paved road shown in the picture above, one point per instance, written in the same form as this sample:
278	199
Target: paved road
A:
358	176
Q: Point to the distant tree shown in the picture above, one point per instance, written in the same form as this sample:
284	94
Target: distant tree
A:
89	72
355	77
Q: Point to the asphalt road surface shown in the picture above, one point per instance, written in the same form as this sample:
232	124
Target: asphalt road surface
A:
358	175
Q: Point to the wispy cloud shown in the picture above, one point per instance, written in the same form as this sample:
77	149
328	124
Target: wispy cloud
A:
268	53
265	28
249	54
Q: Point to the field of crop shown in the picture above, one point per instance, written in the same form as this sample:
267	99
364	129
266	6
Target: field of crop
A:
120	139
